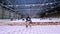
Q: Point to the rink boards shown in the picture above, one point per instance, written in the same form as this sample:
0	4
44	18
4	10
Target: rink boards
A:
35	22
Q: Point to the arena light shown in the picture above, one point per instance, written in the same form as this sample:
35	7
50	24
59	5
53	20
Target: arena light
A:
33	5
47	3
52	7
27	9
27	5
50	3
42	4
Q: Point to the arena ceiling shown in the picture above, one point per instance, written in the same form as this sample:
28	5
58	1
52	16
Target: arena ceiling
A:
30	7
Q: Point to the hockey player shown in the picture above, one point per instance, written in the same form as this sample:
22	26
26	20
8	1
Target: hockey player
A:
28	19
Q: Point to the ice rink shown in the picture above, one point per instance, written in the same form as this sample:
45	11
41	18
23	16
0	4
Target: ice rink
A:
41	29
47	29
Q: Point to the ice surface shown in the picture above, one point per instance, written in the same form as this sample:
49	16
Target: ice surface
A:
49	29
